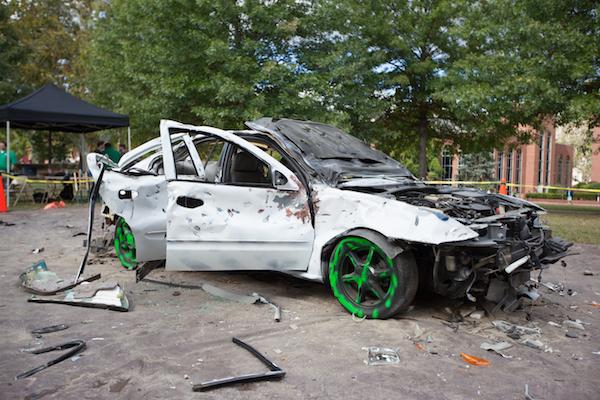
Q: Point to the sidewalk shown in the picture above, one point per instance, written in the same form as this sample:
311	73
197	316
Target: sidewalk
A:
587	203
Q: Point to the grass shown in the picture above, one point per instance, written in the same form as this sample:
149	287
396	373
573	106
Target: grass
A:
579	224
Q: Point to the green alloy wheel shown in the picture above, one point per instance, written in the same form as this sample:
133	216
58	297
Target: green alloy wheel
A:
125	245
367	282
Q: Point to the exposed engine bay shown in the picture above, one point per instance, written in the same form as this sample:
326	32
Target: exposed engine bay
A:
497	266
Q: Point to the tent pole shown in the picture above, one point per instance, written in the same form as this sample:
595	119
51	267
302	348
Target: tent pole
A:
82	154
7	162
128	138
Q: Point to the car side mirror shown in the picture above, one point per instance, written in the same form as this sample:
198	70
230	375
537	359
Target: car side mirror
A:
281	182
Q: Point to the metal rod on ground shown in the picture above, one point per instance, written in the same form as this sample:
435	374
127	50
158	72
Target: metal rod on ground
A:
91	209
7	163
128	138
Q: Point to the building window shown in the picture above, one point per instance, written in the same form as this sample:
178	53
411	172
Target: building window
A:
447	164
518	168
568	172
540	159
509	166
500	162
548	154
559	171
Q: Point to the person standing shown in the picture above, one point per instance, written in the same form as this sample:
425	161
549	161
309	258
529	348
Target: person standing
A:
111	152
122	149
12	157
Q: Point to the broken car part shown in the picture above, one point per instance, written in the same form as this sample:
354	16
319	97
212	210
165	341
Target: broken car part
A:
274	372
497	348
233	206
49	329
77	346
91	208
224	294
473	360
37	279
109	296
381	355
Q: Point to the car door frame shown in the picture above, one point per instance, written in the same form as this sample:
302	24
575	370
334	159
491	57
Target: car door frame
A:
290	184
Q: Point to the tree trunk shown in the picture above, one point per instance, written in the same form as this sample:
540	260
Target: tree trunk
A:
423	136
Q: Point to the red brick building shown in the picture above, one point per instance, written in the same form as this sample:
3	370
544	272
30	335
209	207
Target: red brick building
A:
540	163
595	172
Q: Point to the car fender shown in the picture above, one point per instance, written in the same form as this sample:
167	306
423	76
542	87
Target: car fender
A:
339	211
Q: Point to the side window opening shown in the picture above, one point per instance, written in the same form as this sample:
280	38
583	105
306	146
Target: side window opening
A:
184	165
245	169
210	151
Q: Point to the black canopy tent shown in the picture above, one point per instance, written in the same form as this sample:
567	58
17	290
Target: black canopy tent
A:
52	109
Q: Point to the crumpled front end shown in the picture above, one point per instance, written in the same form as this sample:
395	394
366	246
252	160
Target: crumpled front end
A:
497	265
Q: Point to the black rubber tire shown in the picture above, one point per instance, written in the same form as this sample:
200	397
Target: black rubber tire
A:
403	267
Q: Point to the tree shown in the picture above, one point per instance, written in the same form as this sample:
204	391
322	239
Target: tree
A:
208	62
39	43
469	72
12	54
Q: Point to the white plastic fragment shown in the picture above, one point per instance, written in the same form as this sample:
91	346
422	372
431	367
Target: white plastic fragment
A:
534	344
573	324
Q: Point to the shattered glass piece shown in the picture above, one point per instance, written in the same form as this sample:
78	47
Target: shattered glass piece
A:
38	279
382	355
507	327
108	296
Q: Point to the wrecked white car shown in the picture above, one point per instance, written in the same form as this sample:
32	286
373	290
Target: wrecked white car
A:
308	199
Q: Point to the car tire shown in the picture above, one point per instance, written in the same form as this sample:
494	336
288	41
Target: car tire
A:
367	282
125	245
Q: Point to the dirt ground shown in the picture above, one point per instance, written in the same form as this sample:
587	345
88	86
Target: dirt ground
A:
175	337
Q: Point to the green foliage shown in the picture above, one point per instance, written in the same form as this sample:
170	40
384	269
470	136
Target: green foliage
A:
207	62
476	167
471	72
590	185
562	195
11	54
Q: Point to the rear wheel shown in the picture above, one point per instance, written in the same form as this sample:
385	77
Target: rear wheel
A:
367	282
125	245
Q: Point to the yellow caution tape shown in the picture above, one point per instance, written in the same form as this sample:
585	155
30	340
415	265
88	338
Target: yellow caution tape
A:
52	181
573	189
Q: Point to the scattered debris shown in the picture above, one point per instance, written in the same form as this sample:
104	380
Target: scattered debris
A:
555	324
274	372
527	395
76	345
473	360
54	204
497	348
477	315
382	355
3	223
533	343
596	353
37	250
594	304
574	324
519	330
37	279
79	234
224	294
176	293
108	296
49	329
588	272
572	335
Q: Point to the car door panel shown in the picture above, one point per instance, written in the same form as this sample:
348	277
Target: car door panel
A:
216	226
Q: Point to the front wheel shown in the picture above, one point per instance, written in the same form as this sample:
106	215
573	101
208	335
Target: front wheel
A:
125	245
367	282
